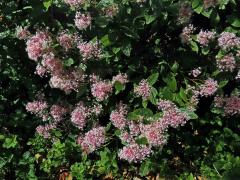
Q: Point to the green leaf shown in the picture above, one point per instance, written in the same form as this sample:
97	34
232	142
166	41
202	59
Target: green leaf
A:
47	3
149	18
153	95
194	46
195	3
153	78
69	62
145	112
171	83
144	168
119	87
105	40
235	21
223	83
10	142
126	49
182	94
142	141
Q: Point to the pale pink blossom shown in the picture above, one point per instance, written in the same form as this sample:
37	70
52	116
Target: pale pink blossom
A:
37	44
93	139
22	33
227	63
134	153
205	37
143	89
58	112
101	90
122	78
40	70
209	3
66	40
52	64
79	116
75	3
118	116
45	130
228	40
36	107
187	33
209	87
89	50
82	21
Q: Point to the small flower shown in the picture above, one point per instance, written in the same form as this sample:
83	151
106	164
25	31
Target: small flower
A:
122	78
37	44
22	33
204	37
75	3
89	50
93	139
45	130
36	107
227	63
186	33
228	40
134	153
118	116
143	89
40	70
101	90
79	116
196	72
209	87
66	40
82	21
57	112
209	3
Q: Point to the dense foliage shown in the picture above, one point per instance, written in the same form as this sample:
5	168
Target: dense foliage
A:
120	89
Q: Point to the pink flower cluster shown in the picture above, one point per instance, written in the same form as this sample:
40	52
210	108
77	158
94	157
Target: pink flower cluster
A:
228	40
209	3
143	89
227	63
134	153
101	90
154	133
185	12
67	81
22	33
79	116
45	130
66	40
74	3
118	116
122	78
209	87
52	64
37	45
40	70
92	140
89	50
82	21
36	107
187	33
230	105
111	11
172	116
58	112
196	72
204	37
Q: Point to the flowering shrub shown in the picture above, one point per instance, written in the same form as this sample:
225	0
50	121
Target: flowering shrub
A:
131	88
